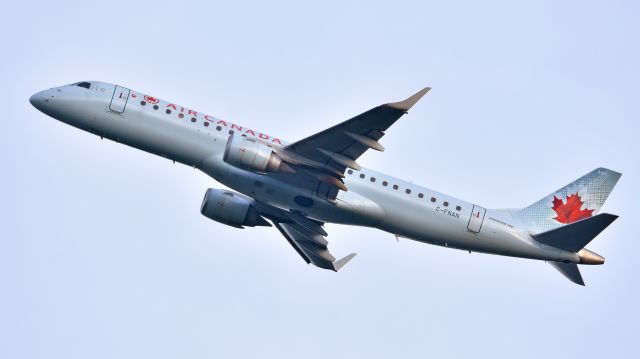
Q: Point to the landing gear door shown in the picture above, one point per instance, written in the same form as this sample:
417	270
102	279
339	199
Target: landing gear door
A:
477	217
119	99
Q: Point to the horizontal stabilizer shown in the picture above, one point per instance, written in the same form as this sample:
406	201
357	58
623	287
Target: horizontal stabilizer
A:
573	237
569	270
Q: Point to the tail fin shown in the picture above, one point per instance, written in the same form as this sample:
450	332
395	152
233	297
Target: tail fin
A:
583	198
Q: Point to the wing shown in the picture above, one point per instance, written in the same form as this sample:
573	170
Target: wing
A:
325	155
311	246
306	236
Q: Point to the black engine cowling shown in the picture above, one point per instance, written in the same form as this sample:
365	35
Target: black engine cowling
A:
231	209
253	155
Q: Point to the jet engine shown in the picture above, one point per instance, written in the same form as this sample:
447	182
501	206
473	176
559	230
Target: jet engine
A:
253	155
231	209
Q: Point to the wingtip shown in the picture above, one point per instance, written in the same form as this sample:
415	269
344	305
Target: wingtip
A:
409	102
340	263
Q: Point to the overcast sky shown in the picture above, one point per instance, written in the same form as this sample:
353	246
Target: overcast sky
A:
103	251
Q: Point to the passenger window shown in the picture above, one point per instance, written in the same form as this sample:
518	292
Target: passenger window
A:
362	175
445	203
433	199
408	191
420	195
231	132
206	124
395	186
168	112
143	103
350	172
458	208
193	119
155	107
180	115
385	183
373	179
218	128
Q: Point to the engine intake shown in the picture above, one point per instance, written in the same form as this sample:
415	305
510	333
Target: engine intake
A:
253	155
231	209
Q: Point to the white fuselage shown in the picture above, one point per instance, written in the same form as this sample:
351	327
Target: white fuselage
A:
373	199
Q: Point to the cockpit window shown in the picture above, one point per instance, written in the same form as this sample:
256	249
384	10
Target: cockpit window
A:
86	85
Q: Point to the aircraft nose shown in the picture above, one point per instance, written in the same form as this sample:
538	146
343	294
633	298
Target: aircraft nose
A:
39	99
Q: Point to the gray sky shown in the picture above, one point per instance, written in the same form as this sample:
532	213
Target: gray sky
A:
103	251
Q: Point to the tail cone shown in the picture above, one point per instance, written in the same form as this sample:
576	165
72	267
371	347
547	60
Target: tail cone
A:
589	257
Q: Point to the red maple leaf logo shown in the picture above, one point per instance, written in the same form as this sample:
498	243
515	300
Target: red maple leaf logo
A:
570	212
150	99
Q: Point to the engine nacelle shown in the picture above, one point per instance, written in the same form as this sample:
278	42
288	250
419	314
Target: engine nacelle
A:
253	155
231	209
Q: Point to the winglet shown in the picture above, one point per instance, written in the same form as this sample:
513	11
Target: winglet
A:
408	103
340	263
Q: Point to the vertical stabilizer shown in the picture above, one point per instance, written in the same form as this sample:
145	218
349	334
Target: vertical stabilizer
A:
581	199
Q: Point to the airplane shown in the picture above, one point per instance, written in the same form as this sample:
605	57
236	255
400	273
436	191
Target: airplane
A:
299	186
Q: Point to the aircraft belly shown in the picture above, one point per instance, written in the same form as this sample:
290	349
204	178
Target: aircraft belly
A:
363	205
349	208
